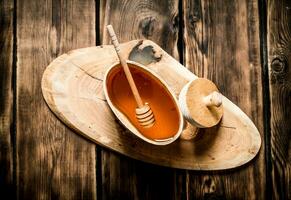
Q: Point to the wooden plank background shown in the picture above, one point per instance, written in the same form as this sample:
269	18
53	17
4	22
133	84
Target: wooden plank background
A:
51	160
7	84
243	46
279	63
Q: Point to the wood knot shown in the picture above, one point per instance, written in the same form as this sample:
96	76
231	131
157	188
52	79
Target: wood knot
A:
193	19
208	182
278	70
277	65
209	185
147	26
210	190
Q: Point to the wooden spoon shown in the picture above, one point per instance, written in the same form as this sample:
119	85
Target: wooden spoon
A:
143	112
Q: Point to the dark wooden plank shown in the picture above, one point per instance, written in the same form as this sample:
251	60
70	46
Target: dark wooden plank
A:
52	161
153	20
124	178
222	44
6	97
279	54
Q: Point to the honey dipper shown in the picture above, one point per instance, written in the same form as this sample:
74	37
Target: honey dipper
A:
143	112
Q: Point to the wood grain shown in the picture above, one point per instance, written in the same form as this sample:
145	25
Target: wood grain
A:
157	21
222	44
131	179
153	20
215	34
52	161
279	55
6	98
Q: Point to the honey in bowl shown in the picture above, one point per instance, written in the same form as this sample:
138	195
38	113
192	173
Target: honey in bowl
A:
151	90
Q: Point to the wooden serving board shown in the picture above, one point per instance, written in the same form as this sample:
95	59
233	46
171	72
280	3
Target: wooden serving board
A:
72	87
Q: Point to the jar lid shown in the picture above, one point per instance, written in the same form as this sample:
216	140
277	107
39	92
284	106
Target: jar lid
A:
201	103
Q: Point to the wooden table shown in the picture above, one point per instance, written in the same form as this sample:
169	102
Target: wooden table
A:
243	46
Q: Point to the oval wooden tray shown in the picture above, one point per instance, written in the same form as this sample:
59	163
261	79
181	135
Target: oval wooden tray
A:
72	87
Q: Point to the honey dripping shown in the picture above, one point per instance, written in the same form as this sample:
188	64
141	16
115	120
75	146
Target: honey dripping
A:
151	91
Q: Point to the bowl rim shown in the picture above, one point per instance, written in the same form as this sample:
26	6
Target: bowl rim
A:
119	114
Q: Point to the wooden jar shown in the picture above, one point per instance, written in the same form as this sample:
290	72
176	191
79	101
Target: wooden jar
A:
201	105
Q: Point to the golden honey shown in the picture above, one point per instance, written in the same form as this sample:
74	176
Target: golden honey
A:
151	91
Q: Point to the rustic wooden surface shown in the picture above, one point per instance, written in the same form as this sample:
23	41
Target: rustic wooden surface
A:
6	97
51	161
279	57
41	158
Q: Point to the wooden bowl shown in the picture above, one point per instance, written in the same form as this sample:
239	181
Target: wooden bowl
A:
154	91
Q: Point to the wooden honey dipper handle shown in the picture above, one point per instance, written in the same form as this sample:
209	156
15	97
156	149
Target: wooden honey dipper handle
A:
213	99
125	67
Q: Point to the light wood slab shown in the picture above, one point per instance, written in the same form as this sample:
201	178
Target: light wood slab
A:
72	87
